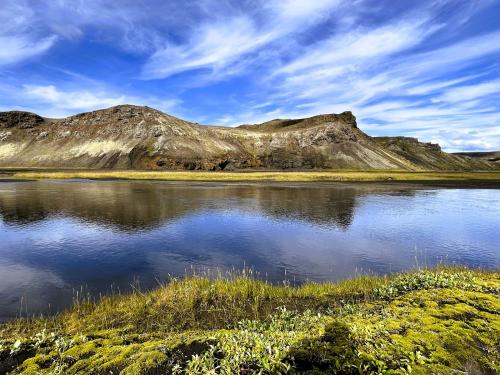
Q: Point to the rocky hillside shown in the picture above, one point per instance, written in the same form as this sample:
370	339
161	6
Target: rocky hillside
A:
430	156
491	156
127	136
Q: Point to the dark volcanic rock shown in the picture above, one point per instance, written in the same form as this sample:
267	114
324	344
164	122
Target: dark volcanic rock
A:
19	119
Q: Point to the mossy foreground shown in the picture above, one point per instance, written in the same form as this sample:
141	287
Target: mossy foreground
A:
443	321
258	176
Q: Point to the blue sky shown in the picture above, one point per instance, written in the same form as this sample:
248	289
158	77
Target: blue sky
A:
429	69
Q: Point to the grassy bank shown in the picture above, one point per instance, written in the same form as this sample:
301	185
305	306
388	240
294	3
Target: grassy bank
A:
443	321
302	176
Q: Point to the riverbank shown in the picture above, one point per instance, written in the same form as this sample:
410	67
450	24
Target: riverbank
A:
259	176
430	321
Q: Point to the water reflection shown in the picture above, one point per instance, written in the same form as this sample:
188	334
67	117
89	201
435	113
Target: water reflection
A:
56	236
134	206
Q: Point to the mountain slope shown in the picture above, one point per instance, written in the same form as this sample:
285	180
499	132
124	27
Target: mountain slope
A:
430	156
129	136
491	156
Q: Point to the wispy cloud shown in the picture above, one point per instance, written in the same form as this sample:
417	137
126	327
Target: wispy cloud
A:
218	44
470	92
73	100
64	102
214	46
351	49
15	49
18	40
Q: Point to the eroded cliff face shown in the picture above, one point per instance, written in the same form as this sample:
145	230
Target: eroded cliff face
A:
129	136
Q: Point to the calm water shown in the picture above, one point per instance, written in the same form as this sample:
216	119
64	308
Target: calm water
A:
59	236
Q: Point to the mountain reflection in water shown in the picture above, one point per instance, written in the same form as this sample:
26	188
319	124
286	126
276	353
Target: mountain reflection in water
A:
134	206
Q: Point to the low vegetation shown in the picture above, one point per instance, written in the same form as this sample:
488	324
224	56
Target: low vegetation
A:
442	321
258	176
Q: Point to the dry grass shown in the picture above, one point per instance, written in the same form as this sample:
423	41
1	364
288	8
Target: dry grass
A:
193	303
271	176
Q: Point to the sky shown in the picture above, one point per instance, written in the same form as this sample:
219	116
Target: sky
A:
426	69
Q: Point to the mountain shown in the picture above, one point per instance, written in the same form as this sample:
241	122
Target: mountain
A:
490	156
429	156
133	137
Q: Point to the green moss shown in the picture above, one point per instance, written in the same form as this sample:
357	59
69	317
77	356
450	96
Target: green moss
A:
145	362
97	356
438	321
36	364
427	331
114	351
449	329
83	350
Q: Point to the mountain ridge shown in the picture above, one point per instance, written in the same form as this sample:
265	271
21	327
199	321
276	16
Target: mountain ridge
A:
135	137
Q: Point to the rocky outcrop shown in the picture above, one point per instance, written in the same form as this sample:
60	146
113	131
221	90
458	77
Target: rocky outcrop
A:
127	136
19	119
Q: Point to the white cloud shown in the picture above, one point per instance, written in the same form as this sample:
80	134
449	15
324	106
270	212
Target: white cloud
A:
431	87
457	139
290	9
469	92
217	44
15	49
74	100
358	46
453	57
18	39
351	67
51	101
